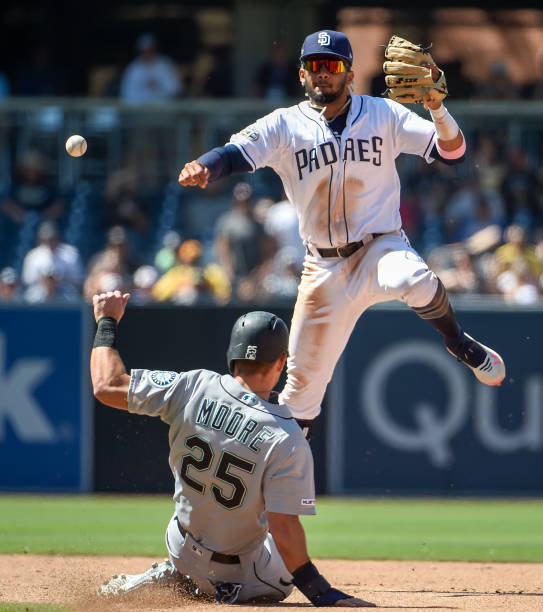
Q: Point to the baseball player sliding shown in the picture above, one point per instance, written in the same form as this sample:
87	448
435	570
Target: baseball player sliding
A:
243	470
335	154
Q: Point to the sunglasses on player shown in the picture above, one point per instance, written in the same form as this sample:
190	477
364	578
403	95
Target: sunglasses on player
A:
333	66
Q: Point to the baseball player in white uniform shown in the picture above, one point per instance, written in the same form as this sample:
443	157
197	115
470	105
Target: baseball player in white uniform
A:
243	470
335	154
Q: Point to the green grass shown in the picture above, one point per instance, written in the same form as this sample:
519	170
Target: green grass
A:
95	525
427	529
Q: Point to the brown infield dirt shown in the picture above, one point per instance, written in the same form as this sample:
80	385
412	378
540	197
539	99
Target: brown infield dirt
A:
409	585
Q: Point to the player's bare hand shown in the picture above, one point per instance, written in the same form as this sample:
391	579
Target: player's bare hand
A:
110	304
353	602
194	174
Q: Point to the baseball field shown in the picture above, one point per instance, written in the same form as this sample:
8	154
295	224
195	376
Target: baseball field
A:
418	554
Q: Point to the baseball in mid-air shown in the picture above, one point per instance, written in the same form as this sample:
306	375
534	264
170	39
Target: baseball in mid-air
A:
76	145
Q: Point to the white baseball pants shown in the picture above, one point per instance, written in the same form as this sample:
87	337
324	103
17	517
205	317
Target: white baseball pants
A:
332	294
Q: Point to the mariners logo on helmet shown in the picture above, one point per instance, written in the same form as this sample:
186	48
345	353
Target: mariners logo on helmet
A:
257	336
250	353
162	378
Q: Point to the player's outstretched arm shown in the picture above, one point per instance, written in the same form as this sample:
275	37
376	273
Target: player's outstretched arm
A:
289	537
213	165
108	374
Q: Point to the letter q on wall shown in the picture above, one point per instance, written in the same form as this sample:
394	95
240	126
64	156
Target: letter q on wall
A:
435	429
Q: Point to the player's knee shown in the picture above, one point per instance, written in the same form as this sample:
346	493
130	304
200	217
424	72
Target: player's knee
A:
399	271
406	282
421	289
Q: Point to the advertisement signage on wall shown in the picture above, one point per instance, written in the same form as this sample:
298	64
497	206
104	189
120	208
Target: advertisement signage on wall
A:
413	419
45	433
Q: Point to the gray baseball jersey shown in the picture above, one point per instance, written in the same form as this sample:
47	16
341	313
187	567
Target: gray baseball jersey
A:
232	454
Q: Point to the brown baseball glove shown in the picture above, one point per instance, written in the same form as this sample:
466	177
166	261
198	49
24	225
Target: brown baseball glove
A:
411	75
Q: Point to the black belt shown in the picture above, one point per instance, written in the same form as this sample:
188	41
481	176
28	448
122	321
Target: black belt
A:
346	250
216	556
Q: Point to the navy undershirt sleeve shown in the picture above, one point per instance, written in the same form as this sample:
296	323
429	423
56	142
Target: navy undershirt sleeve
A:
434	154
224	161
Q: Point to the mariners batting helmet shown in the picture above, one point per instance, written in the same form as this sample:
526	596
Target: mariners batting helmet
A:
257	336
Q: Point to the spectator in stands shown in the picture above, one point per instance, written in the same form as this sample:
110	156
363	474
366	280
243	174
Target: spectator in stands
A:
457	81
520	189
5	88
469	209
240	241
48	288
143	280
150	78
499	85
483	216
40	75
124	206
276	279
166	256
517	249
111	281
190	282
460	276
275	79
534	90
431	192
281	223
32	190
488	165
211	69
410	213
538	249
53	266
518	284
9	285
116	258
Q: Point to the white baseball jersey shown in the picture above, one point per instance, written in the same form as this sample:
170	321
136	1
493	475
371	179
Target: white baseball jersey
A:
232	455
342	189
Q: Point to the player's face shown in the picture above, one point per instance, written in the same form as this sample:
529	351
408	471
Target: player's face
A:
323	86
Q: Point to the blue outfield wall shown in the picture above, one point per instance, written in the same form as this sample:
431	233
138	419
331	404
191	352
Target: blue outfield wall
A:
45	404
401	415
406	417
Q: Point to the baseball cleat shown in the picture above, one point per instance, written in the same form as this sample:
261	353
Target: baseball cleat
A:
159	573
486	364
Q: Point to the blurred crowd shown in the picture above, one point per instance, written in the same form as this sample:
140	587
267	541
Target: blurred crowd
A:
253	253
480	230
148	75
479	225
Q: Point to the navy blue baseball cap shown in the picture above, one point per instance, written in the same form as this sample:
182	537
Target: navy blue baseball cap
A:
327	42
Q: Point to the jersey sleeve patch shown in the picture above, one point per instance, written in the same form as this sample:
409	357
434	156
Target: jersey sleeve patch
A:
307	501
251	132
162	378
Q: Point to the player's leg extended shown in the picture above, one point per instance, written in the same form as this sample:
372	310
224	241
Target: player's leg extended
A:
323	319
403	274
265	574
485	363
